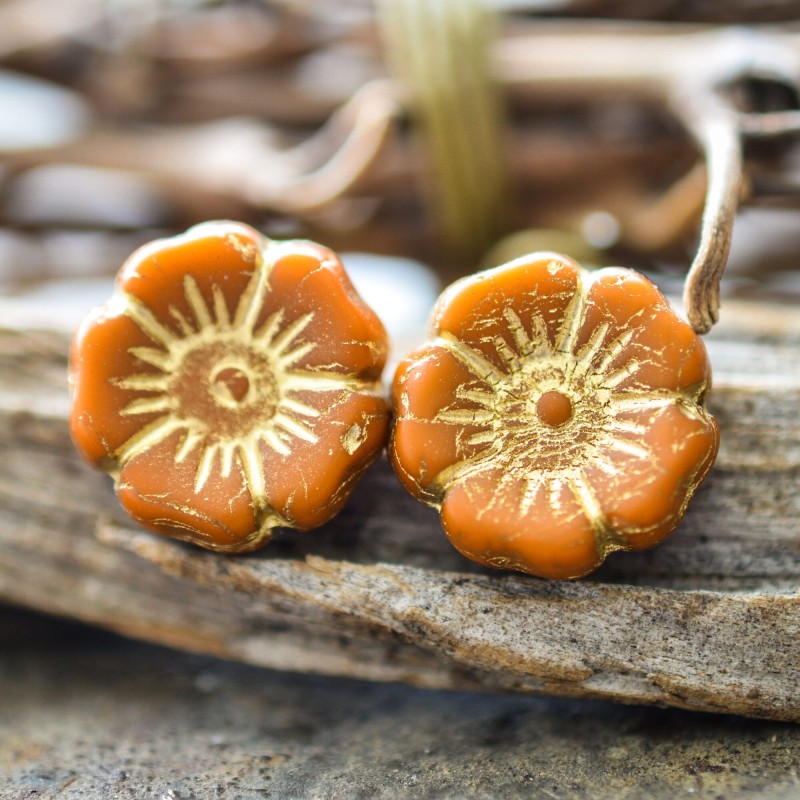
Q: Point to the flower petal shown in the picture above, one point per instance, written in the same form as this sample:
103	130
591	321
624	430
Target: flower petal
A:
308	283
644	484
159	491
102	354
435	397
522	308
310	484
644	346
173	279
511	522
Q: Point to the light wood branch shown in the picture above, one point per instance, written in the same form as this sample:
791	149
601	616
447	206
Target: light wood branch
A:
720	137
707	621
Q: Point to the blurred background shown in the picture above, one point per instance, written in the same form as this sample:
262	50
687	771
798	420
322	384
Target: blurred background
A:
125	120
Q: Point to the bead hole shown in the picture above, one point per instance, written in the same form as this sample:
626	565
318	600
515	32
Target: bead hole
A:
230	386
554	409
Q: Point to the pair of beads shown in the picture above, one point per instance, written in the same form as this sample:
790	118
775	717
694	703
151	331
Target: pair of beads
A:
232	385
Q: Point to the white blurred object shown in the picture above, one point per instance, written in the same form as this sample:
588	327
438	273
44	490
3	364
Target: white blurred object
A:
68	194
35	113
60	304
400	291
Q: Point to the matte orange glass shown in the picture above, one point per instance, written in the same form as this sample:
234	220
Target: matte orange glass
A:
231	385
555	417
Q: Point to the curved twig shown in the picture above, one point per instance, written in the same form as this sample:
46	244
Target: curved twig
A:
718	134
367	120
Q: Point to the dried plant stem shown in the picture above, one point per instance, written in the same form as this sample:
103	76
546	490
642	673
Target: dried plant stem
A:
440	51
719	135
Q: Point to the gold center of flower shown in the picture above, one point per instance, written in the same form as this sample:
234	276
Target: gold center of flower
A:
230	381
549	411
554	409
227	386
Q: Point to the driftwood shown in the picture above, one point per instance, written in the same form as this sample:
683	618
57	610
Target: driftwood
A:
710	620
292	114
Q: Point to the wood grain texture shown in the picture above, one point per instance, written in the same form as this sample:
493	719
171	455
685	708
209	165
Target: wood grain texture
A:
88	717
710	620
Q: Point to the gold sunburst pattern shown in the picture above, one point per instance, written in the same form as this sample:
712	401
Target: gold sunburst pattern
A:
556	416
230	385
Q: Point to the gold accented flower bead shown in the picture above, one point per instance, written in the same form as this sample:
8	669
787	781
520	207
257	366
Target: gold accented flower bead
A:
231	385
556	416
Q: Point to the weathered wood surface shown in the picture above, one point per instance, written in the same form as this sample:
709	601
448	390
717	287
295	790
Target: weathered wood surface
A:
710	620
86	716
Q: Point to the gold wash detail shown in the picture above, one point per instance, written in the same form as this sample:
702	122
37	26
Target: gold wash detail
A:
229	385
516	442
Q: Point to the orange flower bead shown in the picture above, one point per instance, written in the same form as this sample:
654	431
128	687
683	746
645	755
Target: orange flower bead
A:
555	417
231	385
